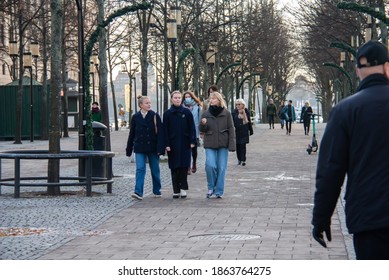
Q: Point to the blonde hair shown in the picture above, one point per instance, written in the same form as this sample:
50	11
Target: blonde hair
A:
175	92
141	99
241	101
307	103
219	97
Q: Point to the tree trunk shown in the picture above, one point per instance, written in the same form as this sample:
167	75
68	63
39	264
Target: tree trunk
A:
110	65
44	74
18	129
103	86
144	63
65	104
55	94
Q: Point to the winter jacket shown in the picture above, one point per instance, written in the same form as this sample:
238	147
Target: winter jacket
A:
271	110
179	135
289	113
355	143
143	137
242	131
219	132
306	114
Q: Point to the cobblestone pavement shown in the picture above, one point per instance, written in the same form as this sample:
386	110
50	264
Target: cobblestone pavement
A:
264	214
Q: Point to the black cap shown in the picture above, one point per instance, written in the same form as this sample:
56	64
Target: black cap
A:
375	52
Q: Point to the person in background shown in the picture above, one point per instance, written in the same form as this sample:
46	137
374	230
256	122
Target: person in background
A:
212	88
147	142
281	115
290	116
306	115
96	115
271	111
355	145
180	139
194	105
243	129
219	138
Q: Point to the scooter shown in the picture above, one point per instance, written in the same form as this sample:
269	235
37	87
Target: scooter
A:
314	146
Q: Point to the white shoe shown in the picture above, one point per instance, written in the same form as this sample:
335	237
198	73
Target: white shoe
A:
136	196
183	194
176	195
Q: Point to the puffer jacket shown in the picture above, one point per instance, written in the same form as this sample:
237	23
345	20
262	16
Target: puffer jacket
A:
219	132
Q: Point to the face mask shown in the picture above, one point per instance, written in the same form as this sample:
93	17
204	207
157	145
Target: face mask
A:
188	99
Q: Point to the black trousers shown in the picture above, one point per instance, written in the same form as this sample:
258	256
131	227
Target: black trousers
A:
307	124
179	179
288	125
372	245
241	152
271	120
194	153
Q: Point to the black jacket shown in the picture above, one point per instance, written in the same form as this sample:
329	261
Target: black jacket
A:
356	143
242	131
146	136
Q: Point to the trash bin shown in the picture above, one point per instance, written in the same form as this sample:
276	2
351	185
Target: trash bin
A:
98	164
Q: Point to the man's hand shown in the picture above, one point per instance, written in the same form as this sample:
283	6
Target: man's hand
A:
317	234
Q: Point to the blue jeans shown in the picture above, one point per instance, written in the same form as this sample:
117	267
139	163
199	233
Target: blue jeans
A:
216	167
141	172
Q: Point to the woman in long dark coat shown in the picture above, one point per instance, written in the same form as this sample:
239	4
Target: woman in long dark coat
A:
306	114
243	129
180	139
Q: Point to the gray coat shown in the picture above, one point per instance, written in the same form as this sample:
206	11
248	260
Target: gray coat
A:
219	132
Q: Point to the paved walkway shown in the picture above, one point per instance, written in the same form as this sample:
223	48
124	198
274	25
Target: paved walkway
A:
264	214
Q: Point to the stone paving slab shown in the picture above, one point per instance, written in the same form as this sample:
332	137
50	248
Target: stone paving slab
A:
271	197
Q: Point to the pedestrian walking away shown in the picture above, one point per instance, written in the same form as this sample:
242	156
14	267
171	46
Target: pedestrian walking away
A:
290	116
193	103
243	129
271	111
219	138
355	144
306	114
146	140
180	138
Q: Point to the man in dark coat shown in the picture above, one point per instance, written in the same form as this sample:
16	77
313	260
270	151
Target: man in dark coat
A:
355	143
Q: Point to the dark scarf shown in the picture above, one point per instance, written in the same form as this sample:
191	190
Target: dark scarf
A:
95	110
373	80
215	110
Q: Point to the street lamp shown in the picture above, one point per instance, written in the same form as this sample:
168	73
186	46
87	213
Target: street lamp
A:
94	64
130	74
342	59
369	29
34	48
172	38
210	57
27	63
13	53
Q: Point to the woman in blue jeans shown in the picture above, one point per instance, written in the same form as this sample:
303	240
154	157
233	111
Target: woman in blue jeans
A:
146	141
219	138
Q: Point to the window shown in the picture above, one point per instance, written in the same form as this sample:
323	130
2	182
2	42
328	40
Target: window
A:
2	35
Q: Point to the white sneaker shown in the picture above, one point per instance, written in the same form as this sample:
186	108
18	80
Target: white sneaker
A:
137	196
183	194
176	195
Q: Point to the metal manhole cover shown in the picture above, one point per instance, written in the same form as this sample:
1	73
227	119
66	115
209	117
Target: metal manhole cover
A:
225	237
